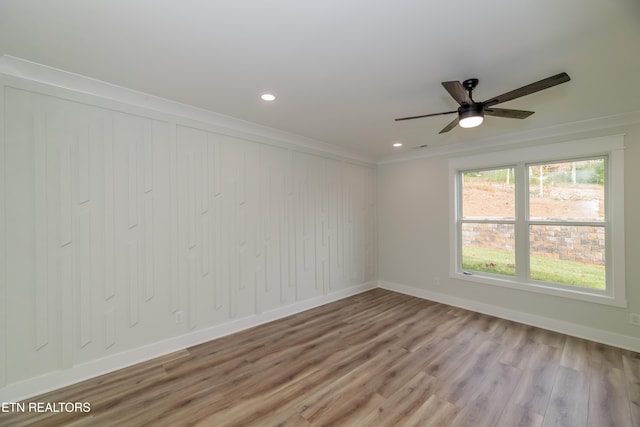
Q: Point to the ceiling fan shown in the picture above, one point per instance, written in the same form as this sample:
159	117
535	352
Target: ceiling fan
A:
471	113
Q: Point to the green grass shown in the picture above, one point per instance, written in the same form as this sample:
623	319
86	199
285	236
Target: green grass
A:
498	261
488	260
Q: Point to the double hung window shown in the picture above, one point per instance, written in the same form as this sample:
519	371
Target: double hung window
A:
547	219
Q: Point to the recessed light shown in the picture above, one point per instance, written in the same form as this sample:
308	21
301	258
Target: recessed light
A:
268	97
397	144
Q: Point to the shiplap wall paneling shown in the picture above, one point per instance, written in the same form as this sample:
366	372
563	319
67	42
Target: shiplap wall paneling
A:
159	212
290	293
54	176
360	190
3	238
275	213
220	230
335	225
20	189
115	222
244	155
362	223
370	218
199	227
142	254
75	236
306	173
189	147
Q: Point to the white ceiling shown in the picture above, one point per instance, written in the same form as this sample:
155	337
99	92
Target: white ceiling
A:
344	69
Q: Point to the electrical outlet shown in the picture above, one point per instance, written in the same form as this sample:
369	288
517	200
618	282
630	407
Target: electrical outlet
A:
179	316
634	319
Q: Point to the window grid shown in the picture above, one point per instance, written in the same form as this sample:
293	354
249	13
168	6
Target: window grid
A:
522	222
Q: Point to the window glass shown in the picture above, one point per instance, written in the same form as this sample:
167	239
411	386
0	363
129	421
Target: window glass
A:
488	194
570	255
488	248
567	191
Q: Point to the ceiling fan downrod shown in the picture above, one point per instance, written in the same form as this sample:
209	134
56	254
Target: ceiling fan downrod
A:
470	85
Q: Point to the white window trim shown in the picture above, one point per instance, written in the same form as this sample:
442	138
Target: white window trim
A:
611	146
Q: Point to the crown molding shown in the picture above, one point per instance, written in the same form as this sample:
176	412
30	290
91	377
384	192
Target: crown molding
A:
32	71
534	135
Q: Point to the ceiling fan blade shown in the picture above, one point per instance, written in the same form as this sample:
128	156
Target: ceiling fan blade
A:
450	126
529	89
507	113
426	115
458	92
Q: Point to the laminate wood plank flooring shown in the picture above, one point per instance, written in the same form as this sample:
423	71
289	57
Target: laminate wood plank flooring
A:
375	359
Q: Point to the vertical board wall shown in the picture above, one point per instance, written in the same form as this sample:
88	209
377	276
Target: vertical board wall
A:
115	221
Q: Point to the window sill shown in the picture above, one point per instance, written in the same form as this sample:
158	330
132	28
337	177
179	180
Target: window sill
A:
542	288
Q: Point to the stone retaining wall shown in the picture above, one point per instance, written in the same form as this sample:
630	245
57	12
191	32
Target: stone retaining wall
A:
570	243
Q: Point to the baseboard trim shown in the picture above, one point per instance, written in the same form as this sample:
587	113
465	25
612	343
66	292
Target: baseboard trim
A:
35	386
45	383
573	329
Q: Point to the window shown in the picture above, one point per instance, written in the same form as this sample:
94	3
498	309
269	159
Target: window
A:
487	221
546	219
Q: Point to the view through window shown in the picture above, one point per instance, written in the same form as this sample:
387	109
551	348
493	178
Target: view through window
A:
488	221
560	223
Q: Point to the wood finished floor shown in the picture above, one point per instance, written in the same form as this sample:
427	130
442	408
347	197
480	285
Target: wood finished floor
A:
375	359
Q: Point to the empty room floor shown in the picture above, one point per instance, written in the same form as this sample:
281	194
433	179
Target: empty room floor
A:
375	359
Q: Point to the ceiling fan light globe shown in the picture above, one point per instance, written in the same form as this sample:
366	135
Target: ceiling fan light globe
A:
470	116
471	121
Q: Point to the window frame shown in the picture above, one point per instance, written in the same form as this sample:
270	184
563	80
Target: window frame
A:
609	147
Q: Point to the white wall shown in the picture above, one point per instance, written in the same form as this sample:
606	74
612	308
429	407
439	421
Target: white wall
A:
413	198
117	217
